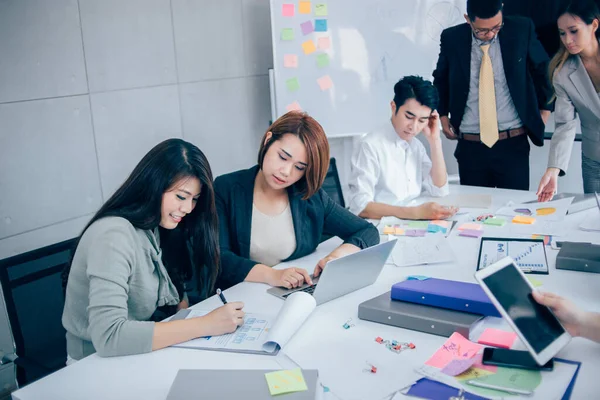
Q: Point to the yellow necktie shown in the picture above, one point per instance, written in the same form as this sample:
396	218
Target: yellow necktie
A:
488	119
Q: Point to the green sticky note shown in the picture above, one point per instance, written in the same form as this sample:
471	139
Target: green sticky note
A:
495	221
418	224
534	281
287	34
286	381
320	10
292	84
322	60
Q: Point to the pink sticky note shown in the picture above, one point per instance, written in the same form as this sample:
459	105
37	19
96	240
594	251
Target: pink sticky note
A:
325	82
470	225
290	61
471	233
455	348
287	10
307	27
324	43
457	367
293	107
497	338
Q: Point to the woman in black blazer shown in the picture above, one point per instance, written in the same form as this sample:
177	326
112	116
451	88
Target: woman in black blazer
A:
292	163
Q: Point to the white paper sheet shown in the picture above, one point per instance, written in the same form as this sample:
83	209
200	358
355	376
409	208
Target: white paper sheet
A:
530	256
535	209
431	249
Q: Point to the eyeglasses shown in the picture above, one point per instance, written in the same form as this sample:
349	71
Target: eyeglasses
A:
485	31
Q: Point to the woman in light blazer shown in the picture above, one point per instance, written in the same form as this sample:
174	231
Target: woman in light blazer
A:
576	77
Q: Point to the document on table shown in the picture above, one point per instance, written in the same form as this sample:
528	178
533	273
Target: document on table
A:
547	211
418	251
529	254
260	333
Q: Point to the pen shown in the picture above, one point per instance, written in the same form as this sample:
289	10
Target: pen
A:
221	296
502	389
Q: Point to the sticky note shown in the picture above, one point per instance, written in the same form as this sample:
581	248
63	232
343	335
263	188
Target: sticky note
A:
323	60
481	366
287	34
470	226
457	367
287	10
292	84
534	281
321	10
307	27
473	373
415	232
293	107
539	211
388	230
304	7
523	219
290	61
456	347
324	43
433	228
309	47
325	82
546	238
471	233
443	224
286	381
417	278
418	224
398	231
497	338
495	221
320	25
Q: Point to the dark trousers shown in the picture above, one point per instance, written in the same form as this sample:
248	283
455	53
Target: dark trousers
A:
505	165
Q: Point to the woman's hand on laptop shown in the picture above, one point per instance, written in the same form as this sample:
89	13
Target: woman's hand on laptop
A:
341	251
289	277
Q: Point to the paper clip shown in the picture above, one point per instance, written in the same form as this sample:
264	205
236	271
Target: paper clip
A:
483	217
459	396
372	370
347	324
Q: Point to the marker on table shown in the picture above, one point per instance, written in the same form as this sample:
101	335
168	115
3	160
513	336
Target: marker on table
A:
500	388
221	296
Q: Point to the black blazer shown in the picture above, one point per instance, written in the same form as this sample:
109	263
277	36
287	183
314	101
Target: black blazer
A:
525	66
312	217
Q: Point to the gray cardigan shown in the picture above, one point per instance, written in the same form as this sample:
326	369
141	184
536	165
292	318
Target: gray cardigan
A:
116	282
575	94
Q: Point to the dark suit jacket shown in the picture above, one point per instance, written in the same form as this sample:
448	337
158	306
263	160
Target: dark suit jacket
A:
525	66
312	217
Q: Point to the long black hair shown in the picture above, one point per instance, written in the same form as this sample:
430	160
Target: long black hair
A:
139	201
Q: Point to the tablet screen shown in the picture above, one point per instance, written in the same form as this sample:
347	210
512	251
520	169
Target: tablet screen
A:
539	326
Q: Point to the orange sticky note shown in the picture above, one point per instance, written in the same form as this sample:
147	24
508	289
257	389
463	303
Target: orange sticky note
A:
304	7
523	219
309	47
388	230
455	348
469	226
290	61
497	338
398	231
293	107
324	43
325	82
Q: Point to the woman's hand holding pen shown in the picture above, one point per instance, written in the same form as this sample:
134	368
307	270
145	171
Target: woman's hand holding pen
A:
225	319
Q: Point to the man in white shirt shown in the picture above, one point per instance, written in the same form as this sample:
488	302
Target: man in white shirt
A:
390	167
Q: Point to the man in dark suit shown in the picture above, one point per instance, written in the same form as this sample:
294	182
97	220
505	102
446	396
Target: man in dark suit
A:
493	82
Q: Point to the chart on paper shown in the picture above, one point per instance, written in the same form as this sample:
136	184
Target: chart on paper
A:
530	256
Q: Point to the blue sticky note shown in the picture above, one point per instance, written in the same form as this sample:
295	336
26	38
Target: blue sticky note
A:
320	25
417	278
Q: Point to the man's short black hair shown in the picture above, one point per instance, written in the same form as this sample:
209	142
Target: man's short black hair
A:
483	9
415	87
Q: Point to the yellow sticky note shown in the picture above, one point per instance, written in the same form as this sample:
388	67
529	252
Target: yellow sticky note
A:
388	230
469	226
534	281
473	373
324	43
309	47
325	82
320	10
399	231
523	219
286	381
304	7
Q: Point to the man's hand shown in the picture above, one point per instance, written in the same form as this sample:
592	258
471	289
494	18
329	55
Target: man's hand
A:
447	128
545	114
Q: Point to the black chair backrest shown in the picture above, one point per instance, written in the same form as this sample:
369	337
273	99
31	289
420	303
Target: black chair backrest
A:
32	288
332	185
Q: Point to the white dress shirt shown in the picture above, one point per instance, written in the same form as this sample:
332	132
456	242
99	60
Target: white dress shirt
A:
387	169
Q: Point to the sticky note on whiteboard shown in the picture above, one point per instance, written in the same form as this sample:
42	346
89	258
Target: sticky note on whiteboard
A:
325	82
290	61
309	47
287	10
324	43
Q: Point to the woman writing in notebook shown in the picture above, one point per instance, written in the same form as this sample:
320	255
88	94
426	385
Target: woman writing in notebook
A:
277	211
576	77
117	278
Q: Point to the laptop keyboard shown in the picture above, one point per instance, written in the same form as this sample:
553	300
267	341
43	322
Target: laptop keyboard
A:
309	289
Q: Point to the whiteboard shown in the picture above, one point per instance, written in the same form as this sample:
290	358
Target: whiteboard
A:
348	86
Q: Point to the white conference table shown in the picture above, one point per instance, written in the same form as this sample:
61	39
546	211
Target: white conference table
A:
149	376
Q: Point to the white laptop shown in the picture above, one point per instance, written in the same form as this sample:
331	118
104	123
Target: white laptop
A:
344	275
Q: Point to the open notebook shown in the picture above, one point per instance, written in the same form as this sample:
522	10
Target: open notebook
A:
260	334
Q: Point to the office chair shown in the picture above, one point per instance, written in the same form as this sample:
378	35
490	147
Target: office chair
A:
34	298
333	187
